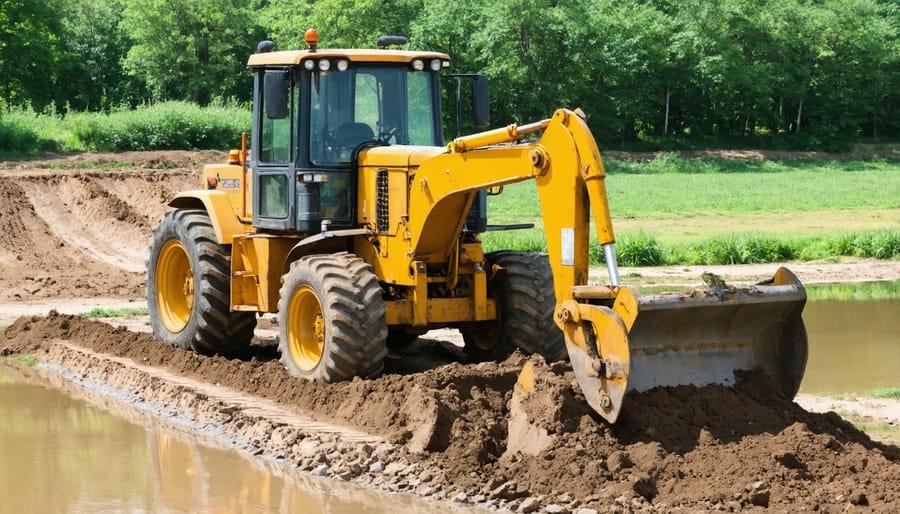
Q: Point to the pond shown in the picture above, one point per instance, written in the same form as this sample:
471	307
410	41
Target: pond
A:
63	454
854	346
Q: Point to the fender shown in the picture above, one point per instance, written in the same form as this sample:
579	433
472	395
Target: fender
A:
326	242
221	213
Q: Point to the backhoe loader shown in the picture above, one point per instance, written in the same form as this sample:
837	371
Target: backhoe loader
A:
350	218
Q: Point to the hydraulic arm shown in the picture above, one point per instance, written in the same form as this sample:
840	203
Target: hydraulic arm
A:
566	165
614	336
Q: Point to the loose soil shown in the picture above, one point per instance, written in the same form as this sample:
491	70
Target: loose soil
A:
74	229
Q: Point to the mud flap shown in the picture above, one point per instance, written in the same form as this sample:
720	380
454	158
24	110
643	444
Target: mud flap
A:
597	342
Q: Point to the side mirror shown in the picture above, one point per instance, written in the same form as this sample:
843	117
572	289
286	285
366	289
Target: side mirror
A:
275	94
481	104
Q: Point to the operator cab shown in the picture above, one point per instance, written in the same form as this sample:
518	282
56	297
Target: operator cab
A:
316	109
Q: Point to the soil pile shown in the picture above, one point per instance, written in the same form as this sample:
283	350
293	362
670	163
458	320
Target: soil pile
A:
696	448
83	231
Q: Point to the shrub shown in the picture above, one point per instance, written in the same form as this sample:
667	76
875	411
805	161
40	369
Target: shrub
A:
639	250
17	138
164	126
720	250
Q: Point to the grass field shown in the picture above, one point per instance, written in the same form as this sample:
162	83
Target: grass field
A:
98	312
677	211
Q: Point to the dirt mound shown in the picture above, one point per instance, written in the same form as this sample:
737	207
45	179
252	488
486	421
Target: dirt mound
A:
708	448
168	159
82	233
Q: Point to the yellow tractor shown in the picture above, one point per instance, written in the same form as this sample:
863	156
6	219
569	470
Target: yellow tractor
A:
352	221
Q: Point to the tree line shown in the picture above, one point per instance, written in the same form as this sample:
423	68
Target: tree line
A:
795	73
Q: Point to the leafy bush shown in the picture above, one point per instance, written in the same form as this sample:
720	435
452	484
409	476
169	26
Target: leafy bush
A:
641	249
880	245
17	138
164	126
23	131
720	250
638	250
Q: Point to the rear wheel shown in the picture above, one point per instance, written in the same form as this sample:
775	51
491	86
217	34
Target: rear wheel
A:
523	289
332	319
188	287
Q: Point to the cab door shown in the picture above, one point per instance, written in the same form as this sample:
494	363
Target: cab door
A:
274	148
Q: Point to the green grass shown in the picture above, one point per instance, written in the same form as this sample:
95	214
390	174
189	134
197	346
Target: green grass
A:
670	163
28	360
715	211
878	430
883	290
815	186
890	392
98	312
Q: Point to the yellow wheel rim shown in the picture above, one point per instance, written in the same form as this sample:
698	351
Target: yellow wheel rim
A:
306	328
174	286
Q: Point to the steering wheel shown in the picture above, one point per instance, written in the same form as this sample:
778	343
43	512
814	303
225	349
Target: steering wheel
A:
385	135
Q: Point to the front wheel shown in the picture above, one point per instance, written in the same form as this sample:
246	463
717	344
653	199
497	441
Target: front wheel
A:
332	319
188	287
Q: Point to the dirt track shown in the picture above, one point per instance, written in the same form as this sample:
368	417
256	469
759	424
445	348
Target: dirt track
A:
76	229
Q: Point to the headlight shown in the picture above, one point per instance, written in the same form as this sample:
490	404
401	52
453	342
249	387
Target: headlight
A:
309	64
342	65
418	64
435	65
324	64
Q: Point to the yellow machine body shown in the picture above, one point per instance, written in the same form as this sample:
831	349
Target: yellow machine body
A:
411	206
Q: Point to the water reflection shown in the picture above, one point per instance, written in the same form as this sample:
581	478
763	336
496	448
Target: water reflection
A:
854	346
61	454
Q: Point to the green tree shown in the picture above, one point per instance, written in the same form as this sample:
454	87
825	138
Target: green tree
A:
192	49
29	50
340	23
94	45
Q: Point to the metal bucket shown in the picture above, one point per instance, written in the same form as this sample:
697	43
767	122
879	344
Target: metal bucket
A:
703	337
698	337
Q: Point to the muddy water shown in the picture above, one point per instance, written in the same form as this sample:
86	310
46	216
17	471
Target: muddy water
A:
62	454
854	346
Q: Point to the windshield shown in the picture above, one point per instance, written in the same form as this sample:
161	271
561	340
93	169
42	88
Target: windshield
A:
387	104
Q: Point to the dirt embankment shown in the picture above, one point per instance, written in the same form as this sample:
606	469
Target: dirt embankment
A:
445	432
79	226
76	228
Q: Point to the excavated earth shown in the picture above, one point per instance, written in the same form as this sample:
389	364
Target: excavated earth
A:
75	229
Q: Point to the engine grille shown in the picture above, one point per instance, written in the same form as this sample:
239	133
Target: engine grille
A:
382	211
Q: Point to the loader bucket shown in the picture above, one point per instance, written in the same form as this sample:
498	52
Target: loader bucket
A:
697	337
703	337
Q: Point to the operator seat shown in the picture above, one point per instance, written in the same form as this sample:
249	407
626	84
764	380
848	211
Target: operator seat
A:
350	135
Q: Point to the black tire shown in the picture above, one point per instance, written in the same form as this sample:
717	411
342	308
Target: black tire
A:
189	301
523	289
339	329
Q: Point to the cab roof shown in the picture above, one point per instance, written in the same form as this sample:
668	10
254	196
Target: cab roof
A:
294	57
